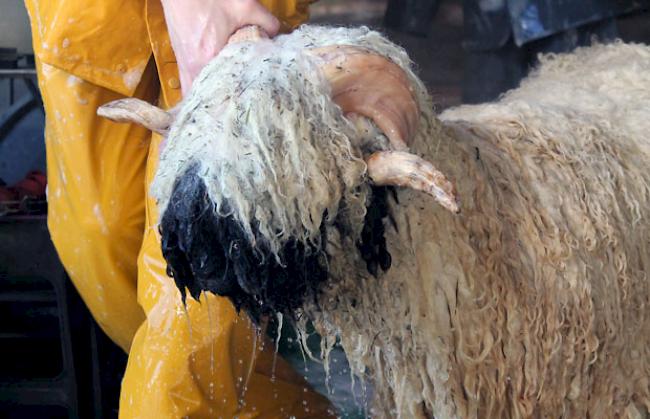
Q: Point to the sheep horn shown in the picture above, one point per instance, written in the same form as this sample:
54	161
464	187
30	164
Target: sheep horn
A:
138	111
398	168
371	85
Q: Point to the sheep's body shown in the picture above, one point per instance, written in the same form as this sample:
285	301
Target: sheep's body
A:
534	302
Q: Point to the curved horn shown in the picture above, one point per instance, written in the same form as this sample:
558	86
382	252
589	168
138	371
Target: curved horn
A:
398	168
138	111
371	85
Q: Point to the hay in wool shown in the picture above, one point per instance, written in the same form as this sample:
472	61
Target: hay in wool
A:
535	301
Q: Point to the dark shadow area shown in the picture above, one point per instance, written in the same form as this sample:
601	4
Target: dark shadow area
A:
56	362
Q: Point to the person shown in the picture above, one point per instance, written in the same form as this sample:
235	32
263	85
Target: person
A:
200	360
503	38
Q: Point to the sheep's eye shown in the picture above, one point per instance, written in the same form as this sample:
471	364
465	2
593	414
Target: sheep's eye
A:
234	249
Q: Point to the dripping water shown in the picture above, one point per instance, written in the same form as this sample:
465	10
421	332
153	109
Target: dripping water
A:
257	335
302	350
210	334
191	340
280	318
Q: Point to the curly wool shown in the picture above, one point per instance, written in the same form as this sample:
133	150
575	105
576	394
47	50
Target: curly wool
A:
534	302
269	140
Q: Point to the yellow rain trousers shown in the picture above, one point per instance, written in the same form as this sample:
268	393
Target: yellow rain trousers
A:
203	361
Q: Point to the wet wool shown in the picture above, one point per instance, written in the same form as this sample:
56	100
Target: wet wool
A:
205	252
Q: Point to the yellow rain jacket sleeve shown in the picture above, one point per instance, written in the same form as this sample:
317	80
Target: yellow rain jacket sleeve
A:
203	361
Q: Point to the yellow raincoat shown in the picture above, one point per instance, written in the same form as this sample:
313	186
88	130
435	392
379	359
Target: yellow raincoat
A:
204	362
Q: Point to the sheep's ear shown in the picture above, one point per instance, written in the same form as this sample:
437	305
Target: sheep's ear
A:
138	111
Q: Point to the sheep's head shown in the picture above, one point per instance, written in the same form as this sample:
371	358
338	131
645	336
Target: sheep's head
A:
283	147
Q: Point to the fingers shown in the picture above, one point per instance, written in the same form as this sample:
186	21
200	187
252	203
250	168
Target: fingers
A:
254	13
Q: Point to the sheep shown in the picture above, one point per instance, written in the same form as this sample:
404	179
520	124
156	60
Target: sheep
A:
532	301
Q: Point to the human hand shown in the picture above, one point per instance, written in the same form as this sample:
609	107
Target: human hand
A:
199	29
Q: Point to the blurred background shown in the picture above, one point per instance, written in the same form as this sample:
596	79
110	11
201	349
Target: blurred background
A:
56	362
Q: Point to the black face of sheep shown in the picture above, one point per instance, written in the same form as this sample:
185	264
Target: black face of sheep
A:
206	251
